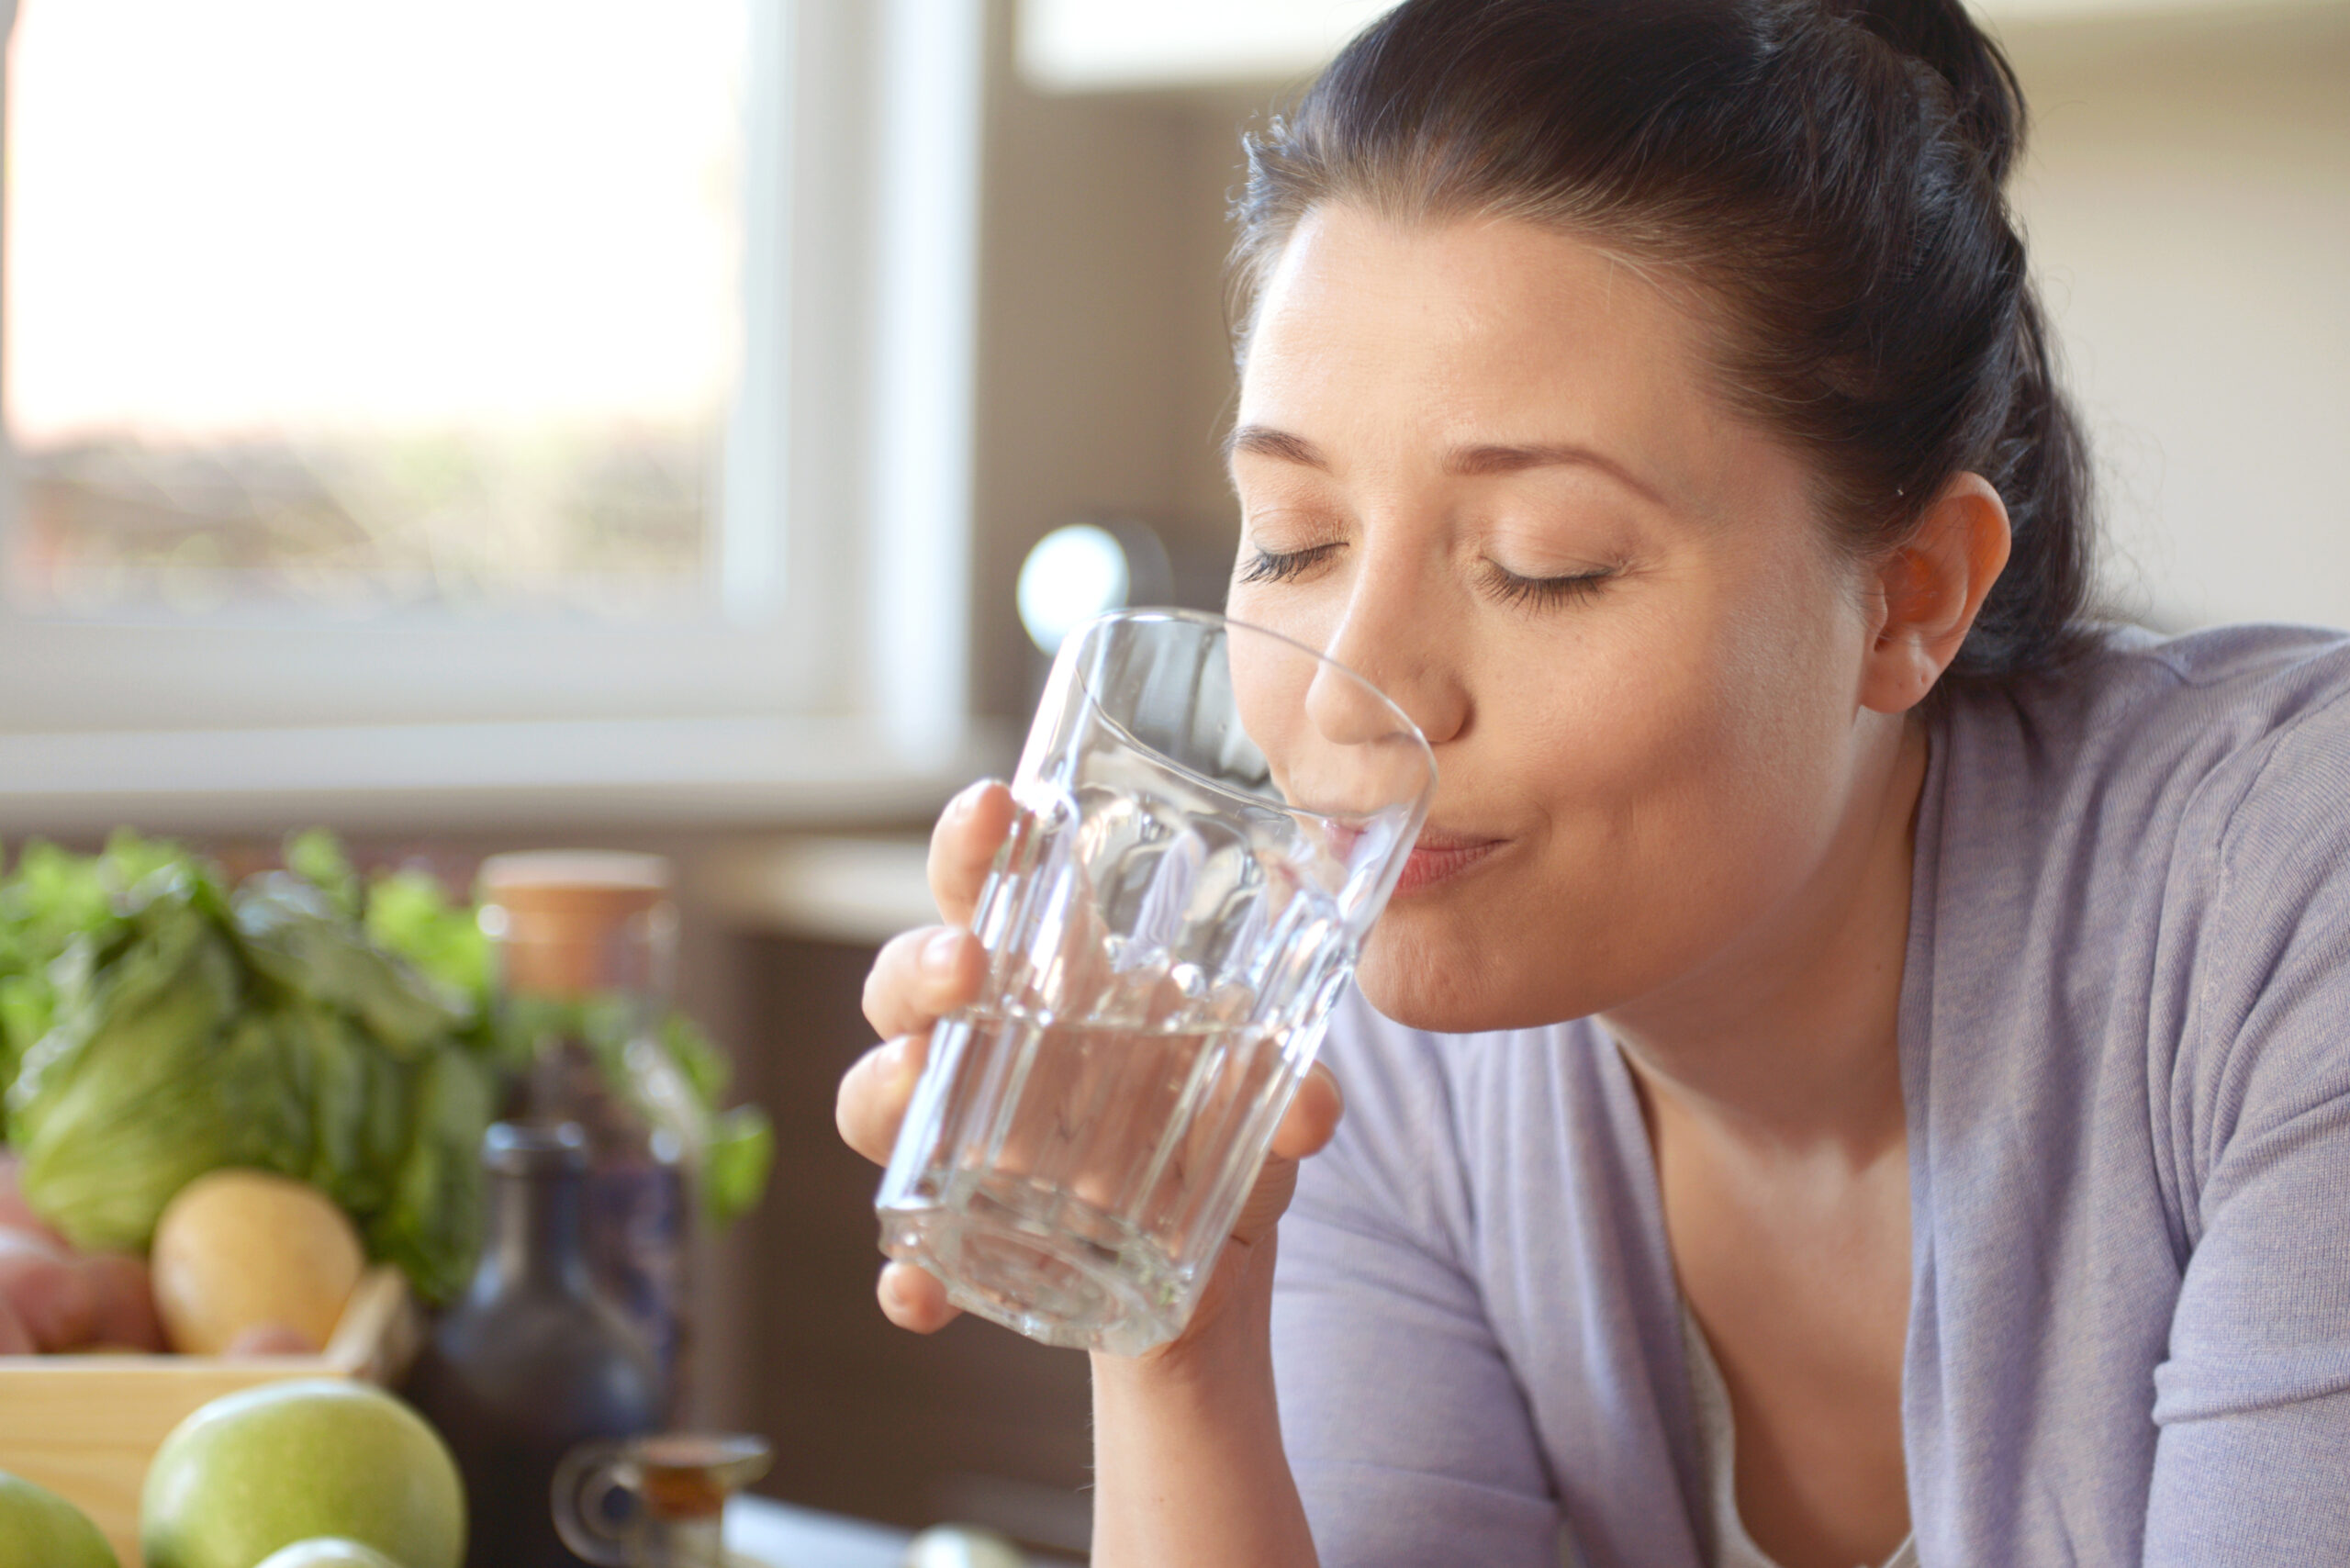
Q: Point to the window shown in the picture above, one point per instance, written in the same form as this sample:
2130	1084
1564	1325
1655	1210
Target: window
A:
461	362
356	310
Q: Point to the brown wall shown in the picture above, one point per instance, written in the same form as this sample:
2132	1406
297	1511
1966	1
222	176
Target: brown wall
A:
1105	375
972	1424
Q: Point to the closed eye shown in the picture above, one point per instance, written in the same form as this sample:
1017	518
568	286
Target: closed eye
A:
1512	588
1279	566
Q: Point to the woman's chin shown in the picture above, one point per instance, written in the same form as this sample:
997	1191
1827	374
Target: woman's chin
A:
1422	981
1427	968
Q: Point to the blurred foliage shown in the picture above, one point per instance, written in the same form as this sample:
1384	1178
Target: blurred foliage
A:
156	1023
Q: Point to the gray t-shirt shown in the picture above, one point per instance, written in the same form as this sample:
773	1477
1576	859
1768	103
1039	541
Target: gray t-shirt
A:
2125	1054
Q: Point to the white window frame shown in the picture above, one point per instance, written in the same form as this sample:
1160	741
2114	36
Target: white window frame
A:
832	681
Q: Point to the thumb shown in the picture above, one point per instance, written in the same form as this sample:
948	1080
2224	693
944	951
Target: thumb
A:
1306	1129
1312	1116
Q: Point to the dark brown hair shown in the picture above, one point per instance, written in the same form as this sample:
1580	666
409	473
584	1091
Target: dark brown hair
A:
1832	172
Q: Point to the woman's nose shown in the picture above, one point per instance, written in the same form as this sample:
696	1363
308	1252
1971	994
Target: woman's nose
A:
1396	645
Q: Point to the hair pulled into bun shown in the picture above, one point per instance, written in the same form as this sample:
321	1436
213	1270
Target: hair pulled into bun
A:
1986	101
1833	170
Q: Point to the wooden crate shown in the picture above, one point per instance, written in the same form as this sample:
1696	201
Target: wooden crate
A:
85	1427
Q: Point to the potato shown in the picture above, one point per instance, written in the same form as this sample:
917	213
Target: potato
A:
16	1340
45	1287
269	1339
57	1301
125	1316
243	1249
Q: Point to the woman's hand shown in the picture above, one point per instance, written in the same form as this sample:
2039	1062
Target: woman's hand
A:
1188	1462
923	975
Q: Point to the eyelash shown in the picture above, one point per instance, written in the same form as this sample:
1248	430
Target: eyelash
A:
1511	589
1275	567
1270	566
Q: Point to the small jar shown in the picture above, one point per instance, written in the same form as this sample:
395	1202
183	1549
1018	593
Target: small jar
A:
586	948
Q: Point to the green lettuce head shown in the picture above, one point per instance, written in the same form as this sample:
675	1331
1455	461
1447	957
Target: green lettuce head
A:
120	1104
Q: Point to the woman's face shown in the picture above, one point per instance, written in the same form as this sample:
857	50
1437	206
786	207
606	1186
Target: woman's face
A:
1482	464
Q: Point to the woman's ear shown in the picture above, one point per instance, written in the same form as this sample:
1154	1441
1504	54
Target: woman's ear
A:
1929	592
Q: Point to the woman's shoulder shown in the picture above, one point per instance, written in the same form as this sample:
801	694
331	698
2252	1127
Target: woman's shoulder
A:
2283	694
2136	697
2175	736
2238	653
2149	859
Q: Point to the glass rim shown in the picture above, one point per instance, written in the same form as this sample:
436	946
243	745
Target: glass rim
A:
1139	614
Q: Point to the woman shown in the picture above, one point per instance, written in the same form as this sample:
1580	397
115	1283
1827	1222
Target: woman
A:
1858	1068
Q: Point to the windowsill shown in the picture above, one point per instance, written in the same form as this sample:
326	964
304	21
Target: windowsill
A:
857	889
654	772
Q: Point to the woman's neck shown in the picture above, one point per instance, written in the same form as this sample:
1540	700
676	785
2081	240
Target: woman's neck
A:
1789	1038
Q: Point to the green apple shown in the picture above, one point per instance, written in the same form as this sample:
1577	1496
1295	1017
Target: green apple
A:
327	1551
38	1526
268	1467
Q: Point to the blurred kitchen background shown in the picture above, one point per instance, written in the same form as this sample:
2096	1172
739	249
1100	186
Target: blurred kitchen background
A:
489	424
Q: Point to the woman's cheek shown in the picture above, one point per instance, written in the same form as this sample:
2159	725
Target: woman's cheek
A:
1608	703
1298	611
1241	602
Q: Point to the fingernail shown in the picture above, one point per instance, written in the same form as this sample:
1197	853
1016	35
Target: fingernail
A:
938	954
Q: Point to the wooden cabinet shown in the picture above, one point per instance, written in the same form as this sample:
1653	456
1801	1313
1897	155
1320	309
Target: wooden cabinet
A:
974	1424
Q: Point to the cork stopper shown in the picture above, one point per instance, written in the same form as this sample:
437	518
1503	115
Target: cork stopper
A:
577	923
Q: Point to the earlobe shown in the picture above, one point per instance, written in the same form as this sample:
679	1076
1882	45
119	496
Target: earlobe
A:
1931	589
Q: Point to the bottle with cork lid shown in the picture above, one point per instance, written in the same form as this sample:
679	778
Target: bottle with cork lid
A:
581	924
586	949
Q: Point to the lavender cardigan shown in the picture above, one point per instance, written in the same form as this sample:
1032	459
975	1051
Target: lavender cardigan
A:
2125	1054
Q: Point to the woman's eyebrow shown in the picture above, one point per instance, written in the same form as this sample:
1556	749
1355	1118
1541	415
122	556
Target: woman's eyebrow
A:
1266	442
1468	460
1478	460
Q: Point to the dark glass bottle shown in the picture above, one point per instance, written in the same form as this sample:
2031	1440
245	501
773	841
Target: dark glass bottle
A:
532	1360
586	941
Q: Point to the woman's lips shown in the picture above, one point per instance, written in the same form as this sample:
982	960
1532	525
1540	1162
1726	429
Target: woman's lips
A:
1438	857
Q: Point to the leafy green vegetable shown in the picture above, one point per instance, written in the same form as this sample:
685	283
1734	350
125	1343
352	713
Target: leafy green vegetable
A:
431	1224
410	915
672	1075
117	1106
316	855
675	1080
155	1025
735	1161
295	934
53	899
175	1027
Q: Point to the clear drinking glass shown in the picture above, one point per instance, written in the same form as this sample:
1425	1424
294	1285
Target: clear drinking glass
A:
1211	816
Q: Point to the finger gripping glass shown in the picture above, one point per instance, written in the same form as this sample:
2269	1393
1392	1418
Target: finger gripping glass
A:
1210	818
